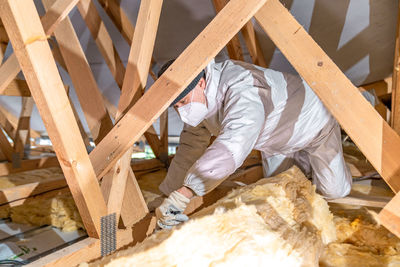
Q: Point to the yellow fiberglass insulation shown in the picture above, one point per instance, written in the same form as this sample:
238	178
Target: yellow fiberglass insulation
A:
59	210
361	241
277	221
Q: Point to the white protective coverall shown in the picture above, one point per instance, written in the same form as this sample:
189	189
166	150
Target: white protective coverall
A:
250	107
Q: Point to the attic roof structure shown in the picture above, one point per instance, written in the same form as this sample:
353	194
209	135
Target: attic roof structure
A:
39	42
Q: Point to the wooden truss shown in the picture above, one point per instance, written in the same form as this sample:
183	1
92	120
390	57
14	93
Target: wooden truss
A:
110	160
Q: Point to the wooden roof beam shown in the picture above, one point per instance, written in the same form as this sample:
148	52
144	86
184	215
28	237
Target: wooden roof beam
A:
378	142
10	68
156	100
97	117
134	83
34	55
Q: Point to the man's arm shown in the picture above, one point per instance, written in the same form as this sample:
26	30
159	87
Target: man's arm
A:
192	144
244	118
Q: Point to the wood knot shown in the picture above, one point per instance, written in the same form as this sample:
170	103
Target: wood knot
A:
320	63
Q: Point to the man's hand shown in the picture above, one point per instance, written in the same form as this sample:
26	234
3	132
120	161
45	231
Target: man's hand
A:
170	212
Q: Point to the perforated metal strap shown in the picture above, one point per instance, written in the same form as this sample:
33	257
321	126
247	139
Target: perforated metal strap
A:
108	238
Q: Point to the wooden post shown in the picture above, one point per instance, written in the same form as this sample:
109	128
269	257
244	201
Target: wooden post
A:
86	88
234	48
10	68
119	17
395	114
256	53
10	123
185	68
164	137
99	32
5	146
134	82
378	142
22	134
389	216
3	41
34	55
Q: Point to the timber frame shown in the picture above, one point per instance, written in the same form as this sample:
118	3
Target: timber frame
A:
110	160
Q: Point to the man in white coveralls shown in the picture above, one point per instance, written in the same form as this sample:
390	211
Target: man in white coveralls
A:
248	107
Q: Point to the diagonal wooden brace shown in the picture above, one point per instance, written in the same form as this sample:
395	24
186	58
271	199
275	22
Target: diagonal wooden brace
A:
34	55
10	68
155	101
378	142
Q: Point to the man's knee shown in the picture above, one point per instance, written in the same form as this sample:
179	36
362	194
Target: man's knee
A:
334	192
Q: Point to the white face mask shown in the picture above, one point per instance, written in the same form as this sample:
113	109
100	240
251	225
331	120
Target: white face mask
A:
193	113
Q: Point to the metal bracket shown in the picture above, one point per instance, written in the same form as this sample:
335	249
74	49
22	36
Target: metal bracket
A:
108	234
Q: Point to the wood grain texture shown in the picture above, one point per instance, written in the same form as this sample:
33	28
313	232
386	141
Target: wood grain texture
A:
10	68
149	107
34	55
378	142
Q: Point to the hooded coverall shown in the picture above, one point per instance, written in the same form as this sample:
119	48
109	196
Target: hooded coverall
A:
250	107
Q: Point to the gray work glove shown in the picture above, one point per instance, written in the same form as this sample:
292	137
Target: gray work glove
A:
170	212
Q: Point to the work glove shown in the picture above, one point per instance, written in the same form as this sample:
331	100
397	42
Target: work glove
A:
170	212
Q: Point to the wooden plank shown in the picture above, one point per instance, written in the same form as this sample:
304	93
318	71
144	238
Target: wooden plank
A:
16	195
89	249
234	48
164	137
99	32
10	196
29	164
378	142
156	100
10	122
3	41
85	137
140	54
395	119
134	82
5	146
97	117
34	55
253	46
119	17
10	68
46	194
389	216
369	201
22	133
17	87
7	126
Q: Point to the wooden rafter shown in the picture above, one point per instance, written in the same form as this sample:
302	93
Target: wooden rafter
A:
10	68
395	115
97	117
23	128
155	101
134	82
5	146
381	145
234	48
119	17
34	55
17	87
99	32
253	46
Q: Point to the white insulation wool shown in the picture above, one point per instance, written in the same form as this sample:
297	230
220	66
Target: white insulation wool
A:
277	221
